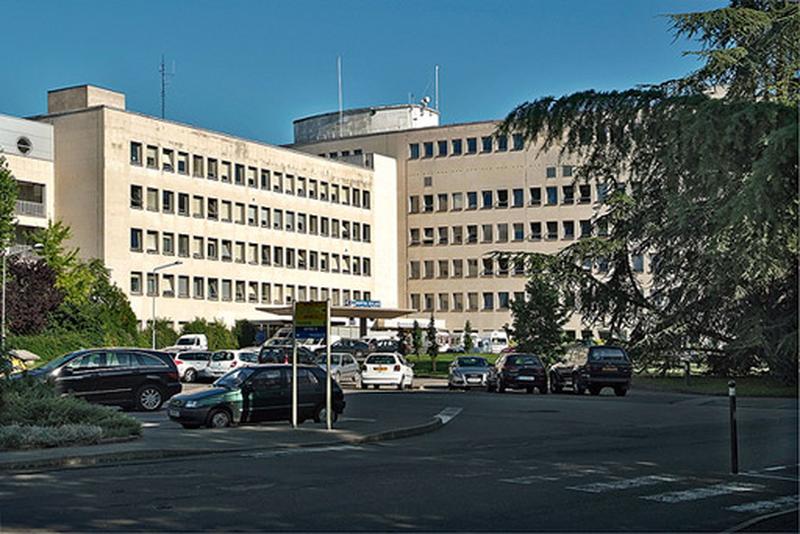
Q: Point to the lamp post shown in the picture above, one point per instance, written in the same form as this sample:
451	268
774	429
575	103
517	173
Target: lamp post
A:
155	294
8	251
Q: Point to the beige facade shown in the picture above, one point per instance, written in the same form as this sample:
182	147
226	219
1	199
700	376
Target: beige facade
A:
463	193
251	223
27	147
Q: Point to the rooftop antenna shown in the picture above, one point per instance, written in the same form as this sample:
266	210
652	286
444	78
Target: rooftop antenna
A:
165	75
436	86
339	75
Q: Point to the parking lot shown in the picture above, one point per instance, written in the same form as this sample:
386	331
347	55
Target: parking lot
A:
510	461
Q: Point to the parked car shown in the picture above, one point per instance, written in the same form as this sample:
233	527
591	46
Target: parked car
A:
191	364
387	369
344	367
224	361
384	345
593	368
257	393
468	371
283	354
189	342
132	378
518	371
356	347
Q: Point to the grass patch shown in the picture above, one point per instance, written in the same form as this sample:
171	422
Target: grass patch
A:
32	414
749	386
423	366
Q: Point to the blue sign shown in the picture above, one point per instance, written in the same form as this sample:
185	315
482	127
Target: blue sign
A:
363	303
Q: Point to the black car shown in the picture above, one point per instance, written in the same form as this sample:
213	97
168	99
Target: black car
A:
283	354
355	347
257	393
593	369
132	378
518	371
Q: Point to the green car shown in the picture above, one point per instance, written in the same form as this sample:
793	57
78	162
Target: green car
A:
257	393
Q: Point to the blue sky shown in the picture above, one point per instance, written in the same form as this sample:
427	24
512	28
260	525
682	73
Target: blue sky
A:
250	67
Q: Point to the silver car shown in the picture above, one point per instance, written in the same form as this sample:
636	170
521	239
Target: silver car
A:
344	368
468	371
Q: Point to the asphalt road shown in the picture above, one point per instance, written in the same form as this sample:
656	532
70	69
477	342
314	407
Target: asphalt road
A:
647	462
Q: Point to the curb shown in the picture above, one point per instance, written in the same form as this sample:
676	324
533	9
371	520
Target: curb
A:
760	519
114	458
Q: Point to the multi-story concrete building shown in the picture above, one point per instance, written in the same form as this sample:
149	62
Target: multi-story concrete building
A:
27	147
250	223
463	193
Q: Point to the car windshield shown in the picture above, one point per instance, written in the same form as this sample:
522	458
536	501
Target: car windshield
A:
471	362
382	359
600	354
187	341
525	359
235	378
52	364
249	357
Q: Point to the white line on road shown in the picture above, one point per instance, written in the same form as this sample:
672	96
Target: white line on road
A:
301	450
446	415
780	503
771	477
530	479
778	467
627	483
716	490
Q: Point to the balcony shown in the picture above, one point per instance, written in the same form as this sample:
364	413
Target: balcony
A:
31	209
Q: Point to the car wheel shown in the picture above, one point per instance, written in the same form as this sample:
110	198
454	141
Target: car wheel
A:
190	426
190	375
576	386
402	384
594	390
543	390
501	388
528	390
149	398
620	391
219	418
320	415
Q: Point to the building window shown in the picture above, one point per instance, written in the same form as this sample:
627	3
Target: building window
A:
472	234
458	302
197	167
136	283
536	196
472	200
168	285
197	207
444	271
152	157
502	233
518	141
428	203
488	301
301	189
238	174
168	201
227	211
168	244
366	200
213	289
458	235
552	196
427	181
443	234
136	153
503	300
487	233
252	172
458	268
566	171
444	302
488	266
586	228
442	146
225	172
199	287
152	284
227	290
502	198
458	202
183	287
472	145
415	302
183	163
550	172
428	302
458	147
212	249
536	231
183	245
136	197
472	268
472	301
198	248
413	151
428	147
183	204
212	169
413	204
552	229
502	143
240	291
569	229
638	263
586	193
264	179
212	208
152	242
568	194
168	157
136	239
488	201
486	144
519	198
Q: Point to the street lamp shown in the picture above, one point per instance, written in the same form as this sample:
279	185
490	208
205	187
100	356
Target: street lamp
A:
9	251
155	293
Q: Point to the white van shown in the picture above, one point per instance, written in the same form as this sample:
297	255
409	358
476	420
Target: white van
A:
497	341
189	342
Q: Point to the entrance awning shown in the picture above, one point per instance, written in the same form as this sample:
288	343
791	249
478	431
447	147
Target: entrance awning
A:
345	311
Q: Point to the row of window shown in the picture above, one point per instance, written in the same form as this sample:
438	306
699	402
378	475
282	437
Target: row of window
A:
488	267
468	146
456	302
225	290
199	247
167	159
214	209
505	232
500	198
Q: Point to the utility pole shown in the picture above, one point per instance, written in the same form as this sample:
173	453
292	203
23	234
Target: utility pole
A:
339	76
165	75
436	86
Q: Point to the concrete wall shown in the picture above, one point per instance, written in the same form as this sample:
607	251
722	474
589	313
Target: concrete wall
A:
81	97
364	121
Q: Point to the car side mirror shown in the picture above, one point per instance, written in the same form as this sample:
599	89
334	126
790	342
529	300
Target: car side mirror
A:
65	371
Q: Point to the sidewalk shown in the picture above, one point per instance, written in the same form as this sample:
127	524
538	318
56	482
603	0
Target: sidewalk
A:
363	421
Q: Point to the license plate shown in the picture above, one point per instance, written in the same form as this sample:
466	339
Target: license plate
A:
174	413
381	369
612	368
526	378
473	380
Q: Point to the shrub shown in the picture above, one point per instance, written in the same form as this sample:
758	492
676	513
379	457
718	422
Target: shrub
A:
219	336
29	437
52	345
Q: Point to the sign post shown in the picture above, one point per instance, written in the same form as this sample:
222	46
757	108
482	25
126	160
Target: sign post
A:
311	320
328	384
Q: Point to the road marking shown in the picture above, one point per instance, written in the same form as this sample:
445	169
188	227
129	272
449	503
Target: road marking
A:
530	479
627	483
716	490
780	503
301	450
771	477
777	467
446	415
356	419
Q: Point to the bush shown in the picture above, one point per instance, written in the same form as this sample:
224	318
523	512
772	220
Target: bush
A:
219	336
29	402
49	346
29	437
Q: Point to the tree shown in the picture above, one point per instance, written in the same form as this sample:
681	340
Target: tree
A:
705	187
469	343
8	204
245	333
538	321
433	344
219	336
416	338
31	295
165	334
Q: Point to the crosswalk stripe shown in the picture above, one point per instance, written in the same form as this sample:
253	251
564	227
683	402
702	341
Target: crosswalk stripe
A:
530	479
694	494
766	506
627	483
